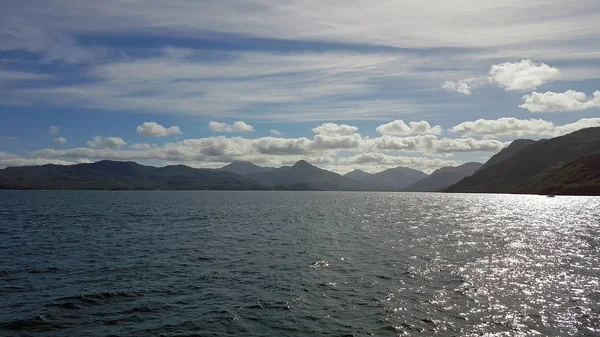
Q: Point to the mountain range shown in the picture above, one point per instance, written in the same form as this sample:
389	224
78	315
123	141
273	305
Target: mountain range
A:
568	164
116	175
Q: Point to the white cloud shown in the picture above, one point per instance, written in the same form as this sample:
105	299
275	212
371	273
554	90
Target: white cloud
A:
505	126
448	145
278	146
399	128
431	144
60	141
523	75
156	130
569	100
513	127
275	132
113	143
54	129
580	124
332	129
337	142
140	146
239	126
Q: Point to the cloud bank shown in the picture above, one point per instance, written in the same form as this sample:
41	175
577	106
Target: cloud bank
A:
400	128
513	127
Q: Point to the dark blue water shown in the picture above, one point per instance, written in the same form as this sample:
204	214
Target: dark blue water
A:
297	264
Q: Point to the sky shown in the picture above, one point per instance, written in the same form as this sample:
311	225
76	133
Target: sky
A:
342	84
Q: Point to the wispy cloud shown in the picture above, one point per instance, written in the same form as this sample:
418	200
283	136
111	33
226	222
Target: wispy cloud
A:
381	22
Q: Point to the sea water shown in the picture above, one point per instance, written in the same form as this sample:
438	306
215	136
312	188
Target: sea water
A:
205	263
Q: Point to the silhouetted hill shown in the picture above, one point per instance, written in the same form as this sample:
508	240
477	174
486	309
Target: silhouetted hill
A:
514	147
444	177
532	165
110	175
393	179
244	167
305	174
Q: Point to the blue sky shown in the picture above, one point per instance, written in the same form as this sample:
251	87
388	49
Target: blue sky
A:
369	85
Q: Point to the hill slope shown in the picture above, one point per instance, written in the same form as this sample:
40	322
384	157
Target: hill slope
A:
444	177
579	177
531	165
507	152
305	174
107	175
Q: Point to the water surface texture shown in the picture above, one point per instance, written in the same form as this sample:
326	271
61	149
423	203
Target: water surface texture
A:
297	264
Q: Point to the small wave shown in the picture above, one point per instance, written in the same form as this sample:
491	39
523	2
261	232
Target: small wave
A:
44	270
320	264
37	324
329	284
146	309
87	300
278	305
47	270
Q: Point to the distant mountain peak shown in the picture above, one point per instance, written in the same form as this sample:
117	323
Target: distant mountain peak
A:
307	176
302	163
243	167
